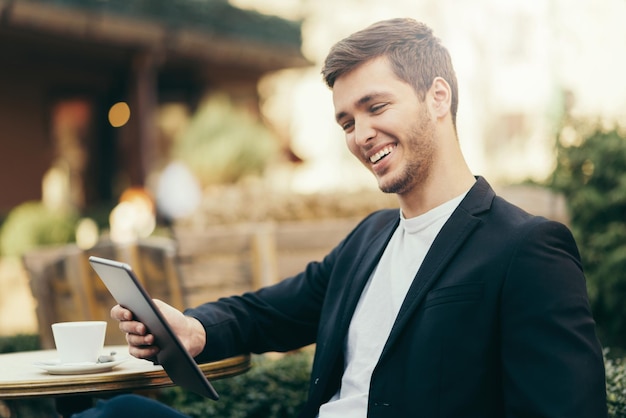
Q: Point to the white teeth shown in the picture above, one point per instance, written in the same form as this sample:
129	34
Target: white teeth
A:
380	154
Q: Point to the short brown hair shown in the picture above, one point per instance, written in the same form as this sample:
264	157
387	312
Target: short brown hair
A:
416	55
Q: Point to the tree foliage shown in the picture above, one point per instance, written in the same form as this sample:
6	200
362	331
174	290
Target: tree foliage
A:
591	173
224	143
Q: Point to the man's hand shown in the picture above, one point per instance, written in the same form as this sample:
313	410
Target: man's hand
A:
141	343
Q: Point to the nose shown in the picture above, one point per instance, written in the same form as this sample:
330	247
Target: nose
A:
363	131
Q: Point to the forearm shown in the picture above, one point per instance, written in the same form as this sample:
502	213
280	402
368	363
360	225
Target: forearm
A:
245	324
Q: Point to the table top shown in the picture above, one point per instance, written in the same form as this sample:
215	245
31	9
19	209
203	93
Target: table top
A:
20	378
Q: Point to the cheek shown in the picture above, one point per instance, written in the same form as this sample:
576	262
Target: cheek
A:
352	146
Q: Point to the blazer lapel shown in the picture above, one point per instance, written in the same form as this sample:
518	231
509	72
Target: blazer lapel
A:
361	274
332	352
453	234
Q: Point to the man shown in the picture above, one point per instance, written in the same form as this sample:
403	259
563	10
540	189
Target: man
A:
457	305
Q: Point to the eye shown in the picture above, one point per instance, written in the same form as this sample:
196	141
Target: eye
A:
378	107
347	125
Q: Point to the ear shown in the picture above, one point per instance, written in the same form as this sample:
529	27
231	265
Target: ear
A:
439	97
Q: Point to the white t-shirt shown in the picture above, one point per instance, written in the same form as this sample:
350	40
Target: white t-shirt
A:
379	305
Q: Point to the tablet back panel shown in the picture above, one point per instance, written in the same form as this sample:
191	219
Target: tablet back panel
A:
126	289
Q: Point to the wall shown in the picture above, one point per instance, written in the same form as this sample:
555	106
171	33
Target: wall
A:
25	149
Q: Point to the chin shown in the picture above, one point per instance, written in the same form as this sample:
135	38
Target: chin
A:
391	188
396	185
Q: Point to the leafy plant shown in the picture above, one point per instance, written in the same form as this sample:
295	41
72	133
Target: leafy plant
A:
224	143
591	173
271	389
19	342
615	386
32	224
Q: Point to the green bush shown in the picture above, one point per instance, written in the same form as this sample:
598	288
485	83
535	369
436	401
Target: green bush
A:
224	143
591	174
31	224
271	389
20	342
615	386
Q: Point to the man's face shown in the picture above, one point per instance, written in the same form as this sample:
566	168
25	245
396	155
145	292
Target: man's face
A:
386	126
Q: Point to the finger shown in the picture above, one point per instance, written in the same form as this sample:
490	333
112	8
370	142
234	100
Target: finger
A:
140	340
121	314
143	352
133	327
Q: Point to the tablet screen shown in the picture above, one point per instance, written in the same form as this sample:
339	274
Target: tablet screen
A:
126	289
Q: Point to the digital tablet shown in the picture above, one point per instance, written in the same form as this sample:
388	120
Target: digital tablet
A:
126	289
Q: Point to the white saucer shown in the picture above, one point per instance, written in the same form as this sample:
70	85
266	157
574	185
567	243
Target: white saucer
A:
55	367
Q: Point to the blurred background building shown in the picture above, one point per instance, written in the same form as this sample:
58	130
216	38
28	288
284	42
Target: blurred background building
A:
83	84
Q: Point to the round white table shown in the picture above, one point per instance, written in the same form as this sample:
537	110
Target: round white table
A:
20	378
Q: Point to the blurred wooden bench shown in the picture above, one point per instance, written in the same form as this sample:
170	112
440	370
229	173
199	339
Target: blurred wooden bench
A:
230	259
193	267
66	288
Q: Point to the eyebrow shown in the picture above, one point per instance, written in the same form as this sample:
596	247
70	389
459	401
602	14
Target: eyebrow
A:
363	101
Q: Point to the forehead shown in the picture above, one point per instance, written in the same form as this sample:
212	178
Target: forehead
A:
373	78
376	70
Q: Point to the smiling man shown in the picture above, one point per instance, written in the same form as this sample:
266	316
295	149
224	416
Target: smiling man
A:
408	143
457	305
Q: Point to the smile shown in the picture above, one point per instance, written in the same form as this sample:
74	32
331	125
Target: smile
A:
381	154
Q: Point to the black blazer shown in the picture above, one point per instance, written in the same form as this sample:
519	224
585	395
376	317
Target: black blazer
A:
495	324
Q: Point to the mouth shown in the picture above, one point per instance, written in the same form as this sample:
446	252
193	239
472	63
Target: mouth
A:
381	154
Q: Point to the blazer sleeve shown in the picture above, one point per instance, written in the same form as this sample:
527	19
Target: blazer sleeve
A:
552	359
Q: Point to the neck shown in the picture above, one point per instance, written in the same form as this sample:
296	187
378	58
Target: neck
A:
449	178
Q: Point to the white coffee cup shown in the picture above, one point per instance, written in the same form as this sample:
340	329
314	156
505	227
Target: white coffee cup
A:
79	342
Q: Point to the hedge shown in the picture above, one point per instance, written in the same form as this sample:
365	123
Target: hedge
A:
273	388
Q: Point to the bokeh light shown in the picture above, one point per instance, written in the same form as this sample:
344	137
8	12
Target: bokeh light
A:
87	233
119	114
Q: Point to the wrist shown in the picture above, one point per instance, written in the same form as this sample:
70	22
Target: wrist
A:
196	336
